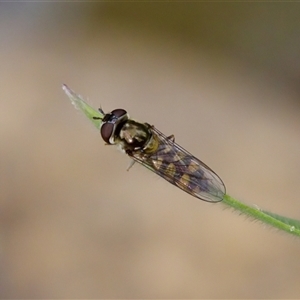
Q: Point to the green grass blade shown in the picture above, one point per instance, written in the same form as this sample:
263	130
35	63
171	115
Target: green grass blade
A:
80	104
288	221
277	221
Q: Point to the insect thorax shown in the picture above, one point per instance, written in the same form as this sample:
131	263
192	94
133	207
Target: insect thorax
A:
135	136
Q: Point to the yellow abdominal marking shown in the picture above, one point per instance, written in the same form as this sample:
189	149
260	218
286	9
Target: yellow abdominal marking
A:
171	169
185	179
157	164
193	167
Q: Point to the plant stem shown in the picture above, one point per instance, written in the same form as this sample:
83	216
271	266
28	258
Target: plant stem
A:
283	223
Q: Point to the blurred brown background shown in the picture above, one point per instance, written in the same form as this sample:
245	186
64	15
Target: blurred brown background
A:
222	77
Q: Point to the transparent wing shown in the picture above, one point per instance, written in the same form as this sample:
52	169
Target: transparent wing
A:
182	169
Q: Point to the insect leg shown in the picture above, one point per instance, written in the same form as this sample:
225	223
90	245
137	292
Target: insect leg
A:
131	164
171	137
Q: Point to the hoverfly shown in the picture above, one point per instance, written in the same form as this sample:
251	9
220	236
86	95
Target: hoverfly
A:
148	146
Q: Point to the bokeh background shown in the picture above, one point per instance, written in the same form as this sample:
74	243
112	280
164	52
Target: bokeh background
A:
222	77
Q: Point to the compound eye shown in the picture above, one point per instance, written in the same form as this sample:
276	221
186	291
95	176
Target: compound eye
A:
107	130
111	124
119	112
